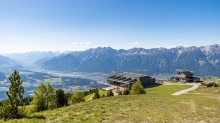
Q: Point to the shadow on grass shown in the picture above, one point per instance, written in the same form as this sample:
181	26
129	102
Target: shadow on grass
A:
154	85
36	117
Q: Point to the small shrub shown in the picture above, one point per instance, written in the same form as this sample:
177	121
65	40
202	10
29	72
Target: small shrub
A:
137	88
96	95
5	110
109	93
126	92
77	97
102	96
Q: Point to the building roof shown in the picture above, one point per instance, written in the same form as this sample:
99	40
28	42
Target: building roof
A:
131	74
185	72
124	77
207	83
185	78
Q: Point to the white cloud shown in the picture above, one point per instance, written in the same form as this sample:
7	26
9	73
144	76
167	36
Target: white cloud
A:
85	43
180	39
74	43
69	46
134	43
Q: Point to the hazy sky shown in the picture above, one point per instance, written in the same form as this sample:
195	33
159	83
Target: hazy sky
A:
59	25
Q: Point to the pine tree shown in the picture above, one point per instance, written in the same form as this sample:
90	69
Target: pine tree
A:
61	99
96	90
109	93
67	98
96	95
15	93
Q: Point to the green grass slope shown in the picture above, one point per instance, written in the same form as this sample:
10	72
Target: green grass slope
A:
155	106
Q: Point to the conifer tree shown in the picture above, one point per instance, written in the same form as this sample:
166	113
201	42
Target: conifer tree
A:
96	95
15	93
109	93
61	99
102	96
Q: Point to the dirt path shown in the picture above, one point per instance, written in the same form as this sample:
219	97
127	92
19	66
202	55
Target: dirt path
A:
195	85
91	97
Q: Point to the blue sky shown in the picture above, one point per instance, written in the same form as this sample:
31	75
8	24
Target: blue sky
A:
72	25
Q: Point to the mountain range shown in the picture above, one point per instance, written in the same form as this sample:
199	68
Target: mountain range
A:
202	61
33	55
5	61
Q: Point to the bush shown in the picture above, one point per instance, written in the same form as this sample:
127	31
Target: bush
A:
27	100
137	88
78	97
44	97
126	92
5	110
96	95
90	91
28	110
109	93
119	93
102	96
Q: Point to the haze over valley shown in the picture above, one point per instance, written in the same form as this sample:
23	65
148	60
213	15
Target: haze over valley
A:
89	69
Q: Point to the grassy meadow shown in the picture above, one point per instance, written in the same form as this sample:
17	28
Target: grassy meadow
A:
157	106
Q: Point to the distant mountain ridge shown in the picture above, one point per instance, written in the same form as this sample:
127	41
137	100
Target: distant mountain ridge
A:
6	60
33	55
203	60
2	76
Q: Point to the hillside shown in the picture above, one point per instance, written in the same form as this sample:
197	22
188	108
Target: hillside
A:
5	60
32	56
202	60
2	76
158	105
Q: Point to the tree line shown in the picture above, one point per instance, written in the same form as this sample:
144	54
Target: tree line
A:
46	97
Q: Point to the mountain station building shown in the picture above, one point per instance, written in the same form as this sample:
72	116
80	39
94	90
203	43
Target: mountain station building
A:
126	80
185	76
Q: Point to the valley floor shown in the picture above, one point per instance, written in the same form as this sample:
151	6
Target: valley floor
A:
158	105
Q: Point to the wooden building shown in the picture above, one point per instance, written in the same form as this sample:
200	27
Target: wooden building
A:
185	76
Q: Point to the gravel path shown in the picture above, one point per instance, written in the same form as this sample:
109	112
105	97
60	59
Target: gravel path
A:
195	85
